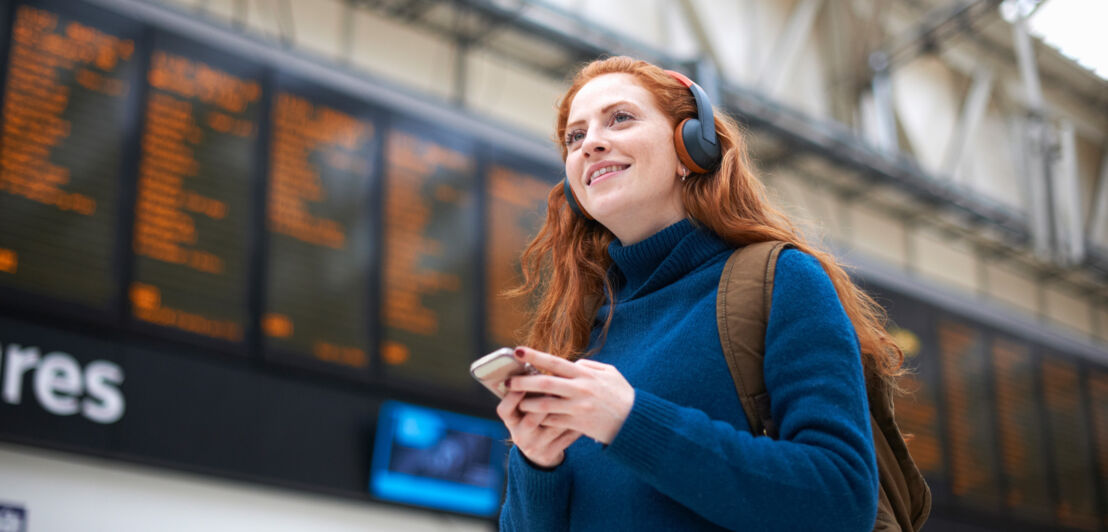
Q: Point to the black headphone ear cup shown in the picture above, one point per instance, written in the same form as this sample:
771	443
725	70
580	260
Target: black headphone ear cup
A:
688	148
695	138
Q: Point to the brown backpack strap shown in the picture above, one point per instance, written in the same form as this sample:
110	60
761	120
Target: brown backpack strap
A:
742	313
909	497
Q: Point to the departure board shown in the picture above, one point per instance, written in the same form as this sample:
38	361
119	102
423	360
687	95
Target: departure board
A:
917	411
1069	439
969	413
192	205
1098	391
431	252
67	85
1020	430
321	160
186	200
516	209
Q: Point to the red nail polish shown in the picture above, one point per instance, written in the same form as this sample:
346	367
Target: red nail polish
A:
519	353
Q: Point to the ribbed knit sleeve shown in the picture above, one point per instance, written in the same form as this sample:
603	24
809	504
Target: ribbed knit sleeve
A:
820	474
536	499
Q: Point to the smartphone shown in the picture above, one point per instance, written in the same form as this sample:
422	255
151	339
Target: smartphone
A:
494	368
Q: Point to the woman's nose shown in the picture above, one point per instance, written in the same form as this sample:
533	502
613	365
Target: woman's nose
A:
594	143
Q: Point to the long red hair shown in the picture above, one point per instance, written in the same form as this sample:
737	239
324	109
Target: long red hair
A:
565	266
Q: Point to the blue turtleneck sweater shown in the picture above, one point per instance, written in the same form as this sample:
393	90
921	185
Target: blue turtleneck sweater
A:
685	458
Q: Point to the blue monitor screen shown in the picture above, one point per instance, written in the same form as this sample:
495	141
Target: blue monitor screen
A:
438	459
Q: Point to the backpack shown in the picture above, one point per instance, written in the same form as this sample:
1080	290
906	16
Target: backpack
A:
904	498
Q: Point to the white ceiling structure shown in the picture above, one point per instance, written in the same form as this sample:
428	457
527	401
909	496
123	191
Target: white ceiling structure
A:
940	114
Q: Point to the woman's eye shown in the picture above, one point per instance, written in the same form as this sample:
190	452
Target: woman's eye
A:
621	117
575	136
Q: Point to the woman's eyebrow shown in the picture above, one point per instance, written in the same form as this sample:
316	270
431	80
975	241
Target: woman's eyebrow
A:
603	110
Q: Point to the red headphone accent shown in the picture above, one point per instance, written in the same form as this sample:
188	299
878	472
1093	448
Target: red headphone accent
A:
681	77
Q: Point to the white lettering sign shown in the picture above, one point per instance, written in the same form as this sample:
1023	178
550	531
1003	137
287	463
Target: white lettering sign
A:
61	386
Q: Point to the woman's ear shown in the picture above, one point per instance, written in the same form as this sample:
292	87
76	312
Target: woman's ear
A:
683	171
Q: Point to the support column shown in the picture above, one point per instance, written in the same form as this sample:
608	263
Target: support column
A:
1069	232
1097	227
887	138
461	71
1036	142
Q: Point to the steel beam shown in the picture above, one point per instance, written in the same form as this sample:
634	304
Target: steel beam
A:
973	110
788	45
1069	232
1097	227
1036	148
1035	163
938	25
1029	70
842	65
842	147
543	22
888	141
412	10
703	40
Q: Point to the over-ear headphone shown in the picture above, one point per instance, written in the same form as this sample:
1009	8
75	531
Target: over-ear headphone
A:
694	139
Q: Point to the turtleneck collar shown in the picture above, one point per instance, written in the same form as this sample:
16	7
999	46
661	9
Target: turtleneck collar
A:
662	258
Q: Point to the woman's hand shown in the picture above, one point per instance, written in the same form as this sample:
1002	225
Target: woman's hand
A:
584	397
543	446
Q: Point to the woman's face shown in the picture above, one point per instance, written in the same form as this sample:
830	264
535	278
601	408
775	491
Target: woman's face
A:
620	158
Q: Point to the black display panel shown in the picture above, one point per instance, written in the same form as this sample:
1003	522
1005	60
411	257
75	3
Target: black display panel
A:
1098	395
517	194
993	430
193	203
1020	430
430	256
323	156
67	84
1069	433
918	410
969	411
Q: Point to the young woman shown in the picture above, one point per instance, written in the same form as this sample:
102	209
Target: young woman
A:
625	272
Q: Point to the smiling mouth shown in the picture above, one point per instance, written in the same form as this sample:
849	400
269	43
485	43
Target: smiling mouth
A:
604	172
